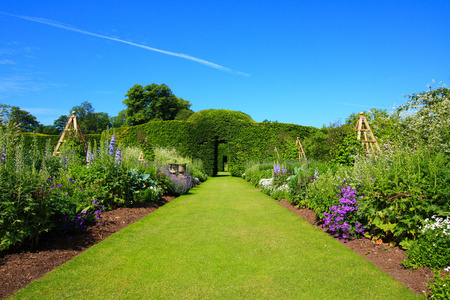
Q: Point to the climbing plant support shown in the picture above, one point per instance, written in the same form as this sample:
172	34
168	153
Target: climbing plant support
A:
301	152
369	141
72	129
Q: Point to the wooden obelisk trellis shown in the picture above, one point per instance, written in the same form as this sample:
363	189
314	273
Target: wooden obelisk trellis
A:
301	152
276	151
141	157
369	142
71	124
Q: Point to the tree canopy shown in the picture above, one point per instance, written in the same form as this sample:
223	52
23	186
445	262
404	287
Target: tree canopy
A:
152	102
25	120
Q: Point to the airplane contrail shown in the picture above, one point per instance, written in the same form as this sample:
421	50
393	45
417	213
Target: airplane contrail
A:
181	55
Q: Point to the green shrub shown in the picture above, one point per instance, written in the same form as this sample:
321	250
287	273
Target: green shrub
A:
432	248
439	288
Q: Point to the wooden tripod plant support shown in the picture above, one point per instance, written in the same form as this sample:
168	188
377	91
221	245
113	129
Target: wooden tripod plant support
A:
141	157
301	152
72	124
362	126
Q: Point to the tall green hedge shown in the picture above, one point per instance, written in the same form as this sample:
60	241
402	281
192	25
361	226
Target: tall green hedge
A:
212	134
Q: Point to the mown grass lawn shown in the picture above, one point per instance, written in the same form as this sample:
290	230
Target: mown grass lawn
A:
224	240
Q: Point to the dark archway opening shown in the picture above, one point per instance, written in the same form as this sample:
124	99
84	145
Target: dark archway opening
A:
220	156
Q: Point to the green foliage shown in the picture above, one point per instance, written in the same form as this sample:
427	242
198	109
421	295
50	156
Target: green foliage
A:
40	192
426	120
432	248
120	120
224	115
165	157
212	134
336	143
382	123
439	288
25	121
152	102
184	114
256	171
401	191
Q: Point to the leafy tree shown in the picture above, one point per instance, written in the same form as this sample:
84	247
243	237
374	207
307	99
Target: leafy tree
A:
60	123
89	120
48	129
25	121
119	120
152	102
101	121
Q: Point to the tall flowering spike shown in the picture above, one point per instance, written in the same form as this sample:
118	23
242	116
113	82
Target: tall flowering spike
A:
276	168
112	145
118	157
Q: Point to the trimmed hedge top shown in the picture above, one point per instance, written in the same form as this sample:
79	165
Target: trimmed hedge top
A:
222	114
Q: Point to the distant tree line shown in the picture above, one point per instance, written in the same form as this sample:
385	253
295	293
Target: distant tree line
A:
143	104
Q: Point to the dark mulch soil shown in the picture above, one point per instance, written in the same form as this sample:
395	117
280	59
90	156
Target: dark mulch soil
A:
18	268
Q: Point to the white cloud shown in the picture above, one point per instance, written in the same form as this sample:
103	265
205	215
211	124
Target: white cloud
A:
181	55
7	62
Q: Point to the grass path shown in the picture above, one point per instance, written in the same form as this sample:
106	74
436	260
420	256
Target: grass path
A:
224	240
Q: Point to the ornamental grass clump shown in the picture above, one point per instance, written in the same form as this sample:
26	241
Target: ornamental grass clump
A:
341	220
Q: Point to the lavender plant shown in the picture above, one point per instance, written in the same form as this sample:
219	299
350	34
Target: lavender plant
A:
178	185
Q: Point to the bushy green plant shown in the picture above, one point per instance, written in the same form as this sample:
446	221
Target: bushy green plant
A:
165	156
323	190
257	171
439	288
401	191
197	173
24	209
432	248
426	120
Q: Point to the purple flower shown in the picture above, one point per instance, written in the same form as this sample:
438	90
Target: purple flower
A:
112	145
337	220
118	157
94	202
276	168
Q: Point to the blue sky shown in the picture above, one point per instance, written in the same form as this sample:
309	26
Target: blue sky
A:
303	62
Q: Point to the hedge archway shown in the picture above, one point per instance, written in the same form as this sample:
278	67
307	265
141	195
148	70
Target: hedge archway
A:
214	134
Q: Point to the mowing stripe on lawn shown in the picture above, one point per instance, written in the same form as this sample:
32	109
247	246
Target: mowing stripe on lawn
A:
224	240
